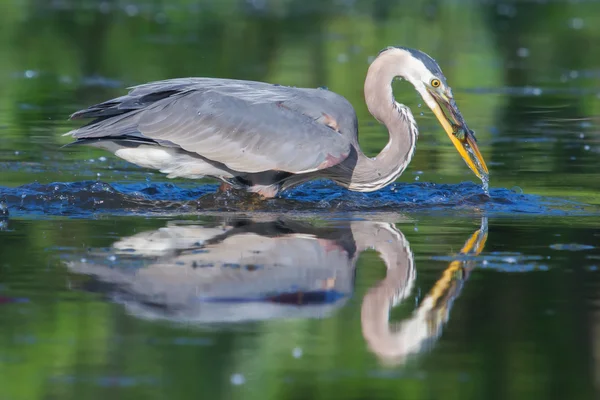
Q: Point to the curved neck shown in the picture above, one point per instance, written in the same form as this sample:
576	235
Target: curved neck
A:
374	173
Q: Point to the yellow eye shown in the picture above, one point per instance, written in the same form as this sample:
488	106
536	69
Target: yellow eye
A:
435	83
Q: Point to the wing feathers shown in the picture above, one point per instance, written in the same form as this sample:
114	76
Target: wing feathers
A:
248	126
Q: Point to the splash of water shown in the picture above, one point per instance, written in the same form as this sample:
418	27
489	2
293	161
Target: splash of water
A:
485	180
86	198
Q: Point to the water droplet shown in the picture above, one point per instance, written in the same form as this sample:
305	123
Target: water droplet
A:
65	79
581	136
297	352
420	105
258	4
30	74
3	208
237	379
523	52
421	113
131	10
506	10
342	58
104	7
83	260
17	153
103	159
586	147
576	23
417	178
112	258
160	18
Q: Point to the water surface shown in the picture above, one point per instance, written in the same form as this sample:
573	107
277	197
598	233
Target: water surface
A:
115	281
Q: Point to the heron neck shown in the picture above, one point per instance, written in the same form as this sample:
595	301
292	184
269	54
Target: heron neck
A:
374	173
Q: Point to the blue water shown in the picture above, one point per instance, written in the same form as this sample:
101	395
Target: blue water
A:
82	199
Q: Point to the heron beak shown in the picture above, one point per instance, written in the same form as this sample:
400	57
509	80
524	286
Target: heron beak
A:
462	137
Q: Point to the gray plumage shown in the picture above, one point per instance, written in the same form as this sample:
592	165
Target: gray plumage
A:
259	136
223	120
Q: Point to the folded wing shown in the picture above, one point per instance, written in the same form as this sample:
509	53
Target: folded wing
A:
247	126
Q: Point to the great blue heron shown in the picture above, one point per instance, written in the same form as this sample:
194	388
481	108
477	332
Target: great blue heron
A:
266	138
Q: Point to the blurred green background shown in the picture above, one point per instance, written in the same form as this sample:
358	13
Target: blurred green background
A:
525	74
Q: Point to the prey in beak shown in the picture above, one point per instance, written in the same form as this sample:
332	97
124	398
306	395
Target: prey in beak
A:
462	137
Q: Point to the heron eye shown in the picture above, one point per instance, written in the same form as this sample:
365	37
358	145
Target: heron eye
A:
435	83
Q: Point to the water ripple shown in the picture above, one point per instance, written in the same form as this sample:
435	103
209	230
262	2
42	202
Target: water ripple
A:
88	197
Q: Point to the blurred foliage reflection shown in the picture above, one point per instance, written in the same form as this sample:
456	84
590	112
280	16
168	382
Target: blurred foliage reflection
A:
525	74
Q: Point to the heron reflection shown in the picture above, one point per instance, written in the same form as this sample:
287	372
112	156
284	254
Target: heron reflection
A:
249	270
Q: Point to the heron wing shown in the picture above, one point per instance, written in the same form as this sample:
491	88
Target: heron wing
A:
248	126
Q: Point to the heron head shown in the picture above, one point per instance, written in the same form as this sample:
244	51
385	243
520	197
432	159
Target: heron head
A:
426	76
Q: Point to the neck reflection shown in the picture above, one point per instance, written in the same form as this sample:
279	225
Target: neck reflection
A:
393	344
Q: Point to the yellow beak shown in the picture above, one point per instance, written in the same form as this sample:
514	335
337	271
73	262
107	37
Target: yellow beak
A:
461	136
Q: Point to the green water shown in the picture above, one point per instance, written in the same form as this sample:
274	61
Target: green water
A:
130	291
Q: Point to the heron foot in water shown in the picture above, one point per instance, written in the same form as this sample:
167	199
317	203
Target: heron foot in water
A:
229	198
225	188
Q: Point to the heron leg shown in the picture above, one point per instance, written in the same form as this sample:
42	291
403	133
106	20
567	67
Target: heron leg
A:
224	188
227	197
256	191
265	191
